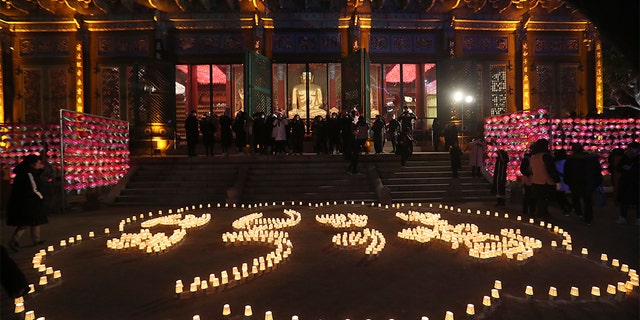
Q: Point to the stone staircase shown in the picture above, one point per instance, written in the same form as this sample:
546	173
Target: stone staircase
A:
180	180
428	178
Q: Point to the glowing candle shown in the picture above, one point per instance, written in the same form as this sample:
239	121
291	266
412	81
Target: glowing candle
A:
43	280
268	315
497	284
486	301
495	294
624	268
585	252
611	289
448	315
528	291
604	258
471	309
574	293
196	317
19	307
615	263
553	293
30	315
57	274
247	311
595	292
226	310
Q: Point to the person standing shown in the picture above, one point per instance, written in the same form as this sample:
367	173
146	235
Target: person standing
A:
362	134
559	161
629	170
239	127
407	118
192	132
405	145
25	207
436	133
297	135
333	134
378	134
499	185
476	155
456	160
279	134
543	176
208	134
226	135
319	135
583	174
528	202
450	136
393	129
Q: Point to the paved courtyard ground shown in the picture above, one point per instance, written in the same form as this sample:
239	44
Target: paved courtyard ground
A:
319	281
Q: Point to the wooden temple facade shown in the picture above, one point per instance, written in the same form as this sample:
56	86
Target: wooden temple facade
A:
150	61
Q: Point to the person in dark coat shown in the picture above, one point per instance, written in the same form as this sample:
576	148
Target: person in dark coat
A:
12	278
456	160
450	136
208	131
239	127
499	185
393	130
333	134
528	201
629	170
583	174
405	145
297	134
25	208
407	117
378	134
436	133
226	135
319	134
191	128
257	131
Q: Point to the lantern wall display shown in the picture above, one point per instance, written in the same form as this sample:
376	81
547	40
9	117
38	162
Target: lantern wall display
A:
19	140
87	150
95	150
515	132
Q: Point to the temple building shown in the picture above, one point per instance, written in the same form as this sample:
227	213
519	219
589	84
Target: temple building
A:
150	62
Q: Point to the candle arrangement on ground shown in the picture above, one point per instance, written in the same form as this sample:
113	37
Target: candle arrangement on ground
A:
510	244
483	246
151	243
251	228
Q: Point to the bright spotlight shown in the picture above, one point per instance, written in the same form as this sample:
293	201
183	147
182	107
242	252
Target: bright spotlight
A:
457	96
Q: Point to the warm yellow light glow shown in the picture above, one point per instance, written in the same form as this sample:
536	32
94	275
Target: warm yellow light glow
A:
528	291
471	309
574	292
1	92
526	99
599	78
79	80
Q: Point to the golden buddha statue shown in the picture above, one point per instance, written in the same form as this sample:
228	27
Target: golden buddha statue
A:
299	98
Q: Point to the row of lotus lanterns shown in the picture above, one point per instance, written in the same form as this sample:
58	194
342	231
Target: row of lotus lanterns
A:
515	132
